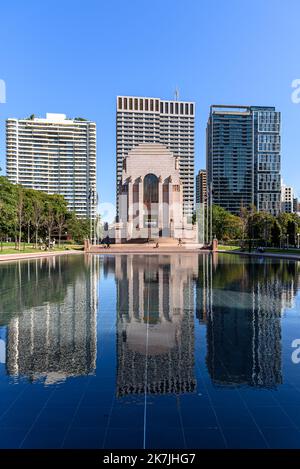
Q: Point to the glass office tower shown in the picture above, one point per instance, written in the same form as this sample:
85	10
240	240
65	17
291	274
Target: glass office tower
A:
267	167
243	157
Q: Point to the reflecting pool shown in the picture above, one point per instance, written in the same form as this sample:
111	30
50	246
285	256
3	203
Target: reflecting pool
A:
150	351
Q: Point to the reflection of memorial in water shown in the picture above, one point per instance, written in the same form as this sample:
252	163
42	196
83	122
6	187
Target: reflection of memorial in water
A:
155	325
244	303
56	339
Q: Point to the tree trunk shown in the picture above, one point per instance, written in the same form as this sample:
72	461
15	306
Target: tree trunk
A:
20	235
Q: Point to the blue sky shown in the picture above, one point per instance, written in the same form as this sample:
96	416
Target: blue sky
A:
75	57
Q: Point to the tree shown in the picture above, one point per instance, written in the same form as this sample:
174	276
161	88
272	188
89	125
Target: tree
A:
218	221
8	207
27	213
78	228
233	227
292	229
37	214
276	233
290	225
49	216
244	215
260	226
20	213
61	211
225	225
28	210
283	219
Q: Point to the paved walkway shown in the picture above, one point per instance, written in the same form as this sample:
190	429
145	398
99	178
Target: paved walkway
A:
31	255
145	249
142	249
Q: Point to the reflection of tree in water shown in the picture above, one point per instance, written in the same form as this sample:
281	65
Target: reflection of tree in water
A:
245	302
27	284
246	273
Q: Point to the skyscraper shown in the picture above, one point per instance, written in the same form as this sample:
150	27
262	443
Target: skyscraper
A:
201	187
243	157
287	199
56	155
152	120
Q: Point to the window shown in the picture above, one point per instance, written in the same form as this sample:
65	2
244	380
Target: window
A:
150	189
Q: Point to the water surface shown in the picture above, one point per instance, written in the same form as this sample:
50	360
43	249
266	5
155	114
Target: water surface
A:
155	351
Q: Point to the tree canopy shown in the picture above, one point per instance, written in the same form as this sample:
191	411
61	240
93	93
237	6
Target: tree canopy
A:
259	226
28	215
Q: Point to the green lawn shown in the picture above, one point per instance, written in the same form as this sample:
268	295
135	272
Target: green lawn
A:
283	251
270	250
9	248
222	247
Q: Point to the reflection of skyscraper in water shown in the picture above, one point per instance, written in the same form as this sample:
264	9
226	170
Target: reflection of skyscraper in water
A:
244	304
155	325
57	339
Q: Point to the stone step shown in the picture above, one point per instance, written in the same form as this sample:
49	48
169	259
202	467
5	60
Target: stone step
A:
166	240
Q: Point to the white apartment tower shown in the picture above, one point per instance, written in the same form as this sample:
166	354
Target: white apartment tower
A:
56	155
152	120
287	199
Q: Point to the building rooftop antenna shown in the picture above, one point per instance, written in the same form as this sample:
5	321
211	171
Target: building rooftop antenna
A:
176	93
